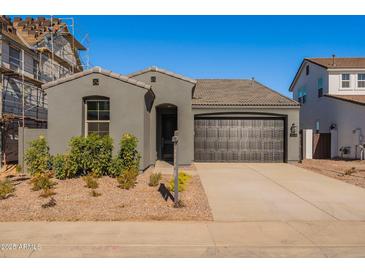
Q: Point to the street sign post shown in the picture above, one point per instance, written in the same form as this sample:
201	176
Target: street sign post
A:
175	140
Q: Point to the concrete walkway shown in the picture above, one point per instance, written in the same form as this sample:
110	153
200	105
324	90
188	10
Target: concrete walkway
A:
278	192
185	239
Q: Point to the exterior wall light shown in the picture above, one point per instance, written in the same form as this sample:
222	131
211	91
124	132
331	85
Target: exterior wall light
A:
293	130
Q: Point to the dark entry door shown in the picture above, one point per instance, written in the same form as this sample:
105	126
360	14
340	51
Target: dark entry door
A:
168	127
239	140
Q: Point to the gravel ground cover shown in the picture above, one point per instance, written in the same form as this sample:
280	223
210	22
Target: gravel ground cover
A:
75	203
352	172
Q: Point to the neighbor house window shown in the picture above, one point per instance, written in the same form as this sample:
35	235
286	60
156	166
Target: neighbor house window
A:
97	116
361	80
320	87
14	58
345	80
307	70
302	95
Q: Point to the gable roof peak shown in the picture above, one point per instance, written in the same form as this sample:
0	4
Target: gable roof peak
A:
98	70
157	69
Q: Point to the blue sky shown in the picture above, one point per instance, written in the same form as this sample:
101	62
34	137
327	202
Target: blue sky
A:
269	48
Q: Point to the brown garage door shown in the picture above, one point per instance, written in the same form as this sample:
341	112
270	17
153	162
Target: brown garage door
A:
239	140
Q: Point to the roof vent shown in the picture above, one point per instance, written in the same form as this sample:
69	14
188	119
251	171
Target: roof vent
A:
333	60
252	81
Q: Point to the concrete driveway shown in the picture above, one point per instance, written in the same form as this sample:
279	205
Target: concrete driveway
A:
278	192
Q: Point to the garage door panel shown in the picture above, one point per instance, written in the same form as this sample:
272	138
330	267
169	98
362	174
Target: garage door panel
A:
239	140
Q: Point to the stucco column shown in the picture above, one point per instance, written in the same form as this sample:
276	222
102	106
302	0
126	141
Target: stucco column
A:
334	143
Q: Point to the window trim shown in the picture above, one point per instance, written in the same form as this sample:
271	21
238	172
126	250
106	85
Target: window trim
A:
86	121
349	81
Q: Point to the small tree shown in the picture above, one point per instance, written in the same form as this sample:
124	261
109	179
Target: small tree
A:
129	154
37	157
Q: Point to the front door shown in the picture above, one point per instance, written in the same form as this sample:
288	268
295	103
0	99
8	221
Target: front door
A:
169	125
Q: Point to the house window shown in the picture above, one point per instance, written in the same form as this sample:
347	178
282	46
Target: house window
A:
361	80
14	58
345	80
320	87
307	70
97	116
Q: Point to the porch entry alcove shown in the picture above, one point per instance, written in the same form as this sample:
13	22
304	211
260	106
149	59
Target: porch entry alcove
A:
166	124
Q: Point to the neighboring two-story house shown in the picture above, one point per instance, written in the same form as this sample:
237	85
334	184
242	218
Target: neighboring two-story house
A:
33	51
331	92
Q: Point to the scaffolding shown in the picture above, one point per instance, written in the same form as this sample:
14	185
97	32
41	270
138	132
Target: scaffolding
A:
23	102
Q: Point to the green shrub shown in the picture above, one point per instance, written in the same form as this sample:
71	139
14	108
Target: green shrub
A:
91	182
155	178
115	167
128	179
18	168
63	167
37	157
91	154
128	153
42	182
183	180
6	189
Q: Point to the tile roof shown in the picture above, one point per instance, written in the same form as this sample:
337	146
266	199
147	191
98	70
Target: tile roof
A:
356	99
154	68
100	71
339	62
237	92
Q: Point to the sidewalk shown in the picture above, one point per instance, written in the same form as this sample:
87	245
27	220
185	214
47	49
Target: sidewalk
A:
186	239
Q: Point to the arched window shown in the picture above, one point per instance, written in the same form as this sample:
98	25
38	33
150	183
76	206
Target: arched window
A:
97	115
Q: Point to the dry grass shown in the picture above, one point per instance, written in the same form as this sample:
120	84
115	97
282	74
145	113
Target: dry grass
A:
74	202
352	172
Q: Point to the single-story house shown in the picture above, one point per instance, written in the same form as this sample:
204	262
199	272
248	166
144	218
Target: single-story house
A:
218	120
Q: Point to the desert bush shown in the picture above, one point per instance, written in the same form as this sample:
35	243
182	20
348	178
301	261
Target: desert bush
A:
63	167
183	180
18	169
115	167
47	193
350	171
6	189
128	153
91	182
91	154
95	193
128	178
37	157
41	181
155	178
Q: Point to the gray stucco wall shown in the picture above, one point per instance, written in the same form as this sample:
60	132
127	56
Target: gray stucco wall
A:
127	112
347	117
171	90
292	115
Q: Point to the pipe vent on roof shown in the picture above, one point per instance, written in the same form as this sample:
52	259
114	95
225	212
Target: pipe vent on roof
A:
333	60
